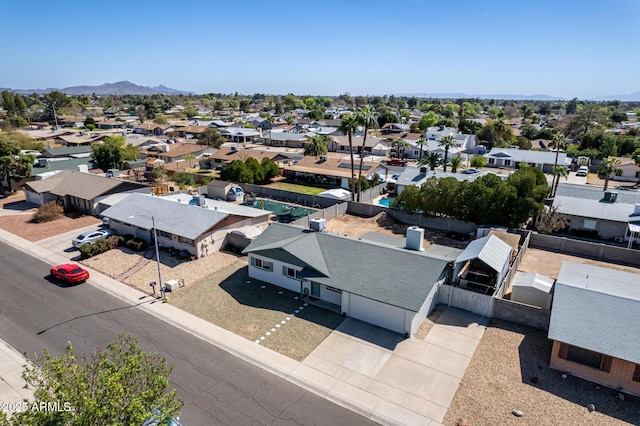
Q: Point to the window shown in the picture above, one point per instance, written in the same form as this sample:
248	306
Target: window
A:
589	224
507	162
289	272
262	264
186	241
164	234
585	357
492	161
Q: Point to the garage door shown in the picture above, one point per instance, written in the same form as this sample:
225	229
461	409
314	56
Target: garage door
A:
380	314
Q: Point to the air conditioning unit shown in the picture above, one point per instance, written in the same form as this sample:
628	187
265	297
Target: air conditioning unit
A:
610	196
618	239
323	157
234	148
423	170
318	225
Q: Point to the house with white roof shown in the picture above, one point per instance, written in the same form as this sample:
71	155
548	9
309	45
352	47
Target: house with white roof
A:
416	176
195	224
512	157
594	325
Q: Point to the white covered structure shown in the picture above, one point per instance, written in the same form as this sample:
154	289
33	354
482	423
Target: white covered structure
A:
532	289
483	264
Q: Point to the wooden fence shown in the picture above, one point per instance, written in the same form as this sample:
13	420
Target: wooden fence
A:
468	300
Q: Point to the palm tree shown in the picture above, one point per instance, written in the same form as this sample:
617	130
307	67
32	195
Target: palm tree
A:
558	172
366	117
447	141
316	145
558	142
455	163
399	145
636	158
431	159
349	125
608	167
421	142
270	119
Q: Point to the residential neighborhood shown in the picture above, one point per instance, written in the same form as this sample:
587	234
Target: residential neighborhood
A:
252	214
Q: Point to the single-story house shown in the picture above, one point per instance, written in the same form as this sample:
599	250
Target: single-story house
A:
290	140
81	139
48	165
192	131
512	157
332	171
395	128
240	134
606	218
224	156
78	190
150	128
172	152
483	265
416	176
67	152
629	171
436	133
341	143
337	270
594	325
195	224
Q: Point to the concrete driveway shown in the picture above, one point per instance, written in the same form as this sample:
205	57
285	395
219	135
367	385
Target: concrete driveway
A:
61	244
391	372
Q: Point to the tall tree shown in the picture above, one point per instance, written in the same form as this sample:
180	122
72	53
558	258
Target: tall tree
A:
211	137
108	155
558	172
12	162
366	117
431	159
316	145
421	142
636	159
558	142
118	385
447	142
349	125
608	167
400	145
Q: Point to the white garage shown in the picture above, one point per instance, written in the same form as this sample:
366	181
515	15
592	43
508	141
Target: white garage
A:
377	313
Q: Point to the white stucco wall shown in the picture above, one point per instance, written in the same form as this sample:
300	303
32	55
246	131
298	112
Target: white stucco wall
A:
274	276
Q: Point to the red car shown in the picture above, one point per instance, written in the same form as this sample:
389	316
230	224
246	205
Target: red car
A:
70	273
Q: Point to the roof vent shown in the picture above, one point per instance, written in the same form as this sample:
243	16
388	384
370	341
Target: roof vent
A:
423	170
323	157
234	148
610	196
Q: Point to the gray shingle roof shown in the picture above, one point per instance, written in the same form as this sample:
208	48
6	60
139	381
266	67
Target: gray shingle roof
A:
617	212
394	276
537	157
176	218
597	309
86	186
596	193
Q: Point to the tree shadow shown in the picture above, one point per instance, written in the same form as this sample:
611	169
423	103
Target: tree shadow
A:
535	352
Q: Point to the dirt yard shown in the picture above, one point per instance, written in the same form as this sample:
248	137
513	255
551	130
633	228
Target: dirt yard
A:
510	371
357	226
15	217
548	263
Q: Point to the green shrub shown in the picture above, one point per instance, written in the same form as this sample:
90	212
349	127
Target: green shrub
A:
100	246
47	212
136	244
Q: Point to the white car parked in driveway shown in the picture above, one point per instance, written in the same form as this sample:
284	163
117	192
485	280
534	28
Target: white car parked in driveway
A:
90	237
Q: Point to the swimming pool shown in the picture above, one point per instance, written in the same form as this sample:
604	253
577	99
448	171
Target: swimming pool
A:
286	213
385	201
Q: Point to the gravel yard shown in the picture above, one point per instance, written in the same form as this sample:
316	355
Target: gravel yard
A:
233	301
16	214
510	371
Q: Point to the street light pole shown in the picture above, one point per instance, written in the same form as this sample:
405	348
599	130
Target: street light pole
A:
155	241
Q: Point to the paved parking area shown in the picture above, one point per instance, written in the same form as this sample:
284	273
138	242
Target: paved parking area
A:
419	376
61	243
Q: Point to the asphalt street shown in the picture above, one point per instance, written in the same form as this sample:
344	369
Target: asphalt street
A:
218	388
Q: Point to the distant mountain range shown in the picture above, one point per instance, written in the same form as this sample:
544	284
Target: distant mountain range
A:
118	88
633	97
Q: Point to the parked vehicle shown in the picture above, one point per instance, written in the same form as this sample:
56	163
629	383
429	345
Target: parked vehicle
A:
70	272
471	171
582	171
396	162
90	237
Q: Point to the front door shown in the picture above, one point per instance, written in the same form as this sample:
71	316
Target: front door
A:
315	289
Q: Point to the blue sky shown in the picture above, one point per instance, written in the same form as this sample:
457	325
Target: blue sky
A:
566	48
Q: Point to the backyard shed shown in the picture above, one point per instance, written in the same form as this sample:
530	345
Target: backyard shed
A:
483	264
225	190
533	289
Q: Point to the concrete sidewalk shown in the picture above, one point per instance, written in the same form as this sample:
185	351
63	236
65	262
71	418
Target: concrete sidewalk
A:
388	401
12	389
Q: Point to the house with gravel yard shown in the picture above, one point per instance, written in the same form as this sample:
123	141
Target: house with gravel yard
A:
375	280
334	171
78	190
197	225
594	325
512	157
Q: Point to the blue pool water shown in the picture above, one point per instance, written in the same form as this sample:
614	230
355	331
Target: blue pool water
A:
384	201
286	213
